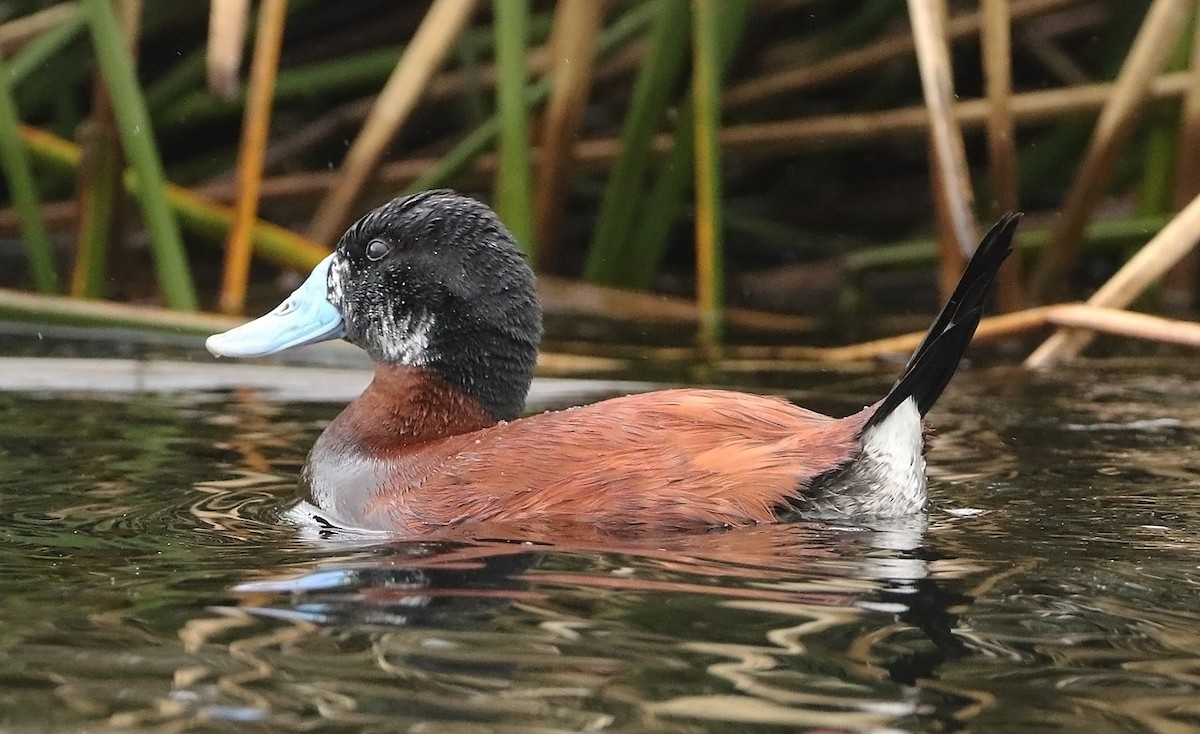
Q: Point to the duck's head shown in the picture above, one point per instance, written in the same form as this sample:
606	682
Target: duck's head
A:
432	280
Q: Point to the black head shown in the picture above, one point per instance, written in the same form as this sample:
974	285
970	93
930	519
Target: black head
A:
435	280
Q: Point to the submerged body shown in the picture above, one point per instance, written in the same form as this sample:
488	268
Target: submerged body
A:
433	287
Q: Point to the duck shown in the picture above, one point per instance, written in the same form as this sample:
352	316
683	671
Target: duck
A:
435	290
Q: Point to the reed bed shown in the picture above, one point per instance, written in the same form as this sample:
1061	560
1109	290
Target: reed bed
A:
637	145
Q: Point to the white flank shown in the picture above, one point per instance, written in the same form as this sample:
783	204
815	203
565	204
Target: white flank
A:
895	441
894	447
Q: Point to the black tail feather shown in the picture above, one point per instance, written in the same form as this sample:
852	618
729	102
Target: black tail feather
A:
933	364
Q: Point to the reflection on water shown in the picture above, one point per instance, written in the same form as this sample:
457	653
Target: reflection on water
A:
148	580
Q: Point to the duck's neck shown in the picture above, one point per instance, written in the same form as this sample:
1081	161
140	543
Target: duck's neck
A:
406	405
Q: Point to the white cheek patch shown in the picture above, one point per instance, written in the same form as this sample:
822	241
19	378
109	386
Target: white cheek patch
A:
405	340
337	276
400	339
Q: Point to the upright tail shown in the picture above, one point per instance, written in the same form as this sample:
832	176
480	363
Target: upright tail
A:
933	364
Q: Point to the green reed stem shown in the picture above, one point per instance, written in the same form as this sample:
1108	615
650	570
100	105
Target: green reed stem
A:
204	217
175	84
23	190
461	156
99	183
137	138
188	74
513	176
42	48
1113	234
652	92
179	99
660	210
474	102
1156	193
310	81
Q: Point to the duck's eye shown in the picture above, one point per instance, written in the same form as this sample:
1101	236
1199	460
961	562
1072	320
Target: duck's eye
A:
377	249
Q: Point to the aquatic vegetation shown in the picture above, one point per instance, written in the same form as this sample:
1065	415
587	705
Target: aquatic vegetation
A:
782	133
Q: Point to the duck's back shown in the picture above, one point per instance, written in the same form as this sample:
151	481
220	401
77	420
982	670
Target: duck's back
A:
669	459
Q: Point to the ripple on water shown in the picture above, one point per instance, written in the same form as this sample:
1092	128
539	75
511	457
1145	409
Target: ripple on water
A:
146	580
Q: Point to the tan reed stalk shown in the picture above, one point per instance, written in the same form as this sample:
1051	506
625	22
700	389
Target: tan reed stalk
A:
255	130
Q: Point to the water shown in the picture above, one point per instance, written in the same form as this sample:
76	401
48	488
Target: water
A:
147	582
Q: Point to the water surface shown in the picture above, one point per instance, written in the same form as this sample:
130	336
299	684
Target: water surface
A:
147	581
